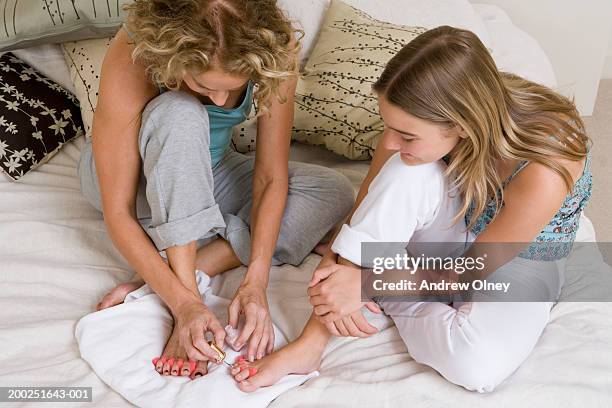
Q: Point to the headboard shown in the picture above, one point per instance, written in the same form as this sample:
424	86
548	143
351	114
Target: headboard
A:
575	36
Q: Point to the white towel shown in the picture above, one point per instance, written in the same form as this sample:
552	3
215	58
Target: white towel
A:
120	342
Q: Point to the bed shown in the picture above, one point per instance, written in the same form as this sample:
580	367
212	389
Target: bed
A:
56	261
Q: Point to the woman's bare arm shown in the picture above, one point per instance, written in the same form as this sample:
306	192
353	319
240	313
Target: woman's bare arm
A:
123	94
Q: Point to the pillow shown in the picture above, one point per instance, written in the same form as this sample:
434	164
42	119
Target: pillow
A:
430	13
38	116
32	22
84	59
309	15
48	59
334	103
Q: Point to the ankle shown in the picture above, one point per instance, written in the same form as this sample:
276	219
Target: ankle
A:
312	342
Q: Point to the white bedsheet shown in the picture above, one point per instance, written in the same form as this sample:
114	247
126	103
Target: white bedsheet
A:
56	261
119	343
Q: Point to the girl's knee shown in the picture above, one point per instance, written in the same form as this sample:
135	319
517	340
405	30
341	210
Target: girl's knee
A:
474	365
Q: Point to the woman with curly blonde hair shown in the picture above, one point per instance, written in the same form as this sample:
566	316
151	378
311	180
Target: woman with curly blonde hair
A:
175	81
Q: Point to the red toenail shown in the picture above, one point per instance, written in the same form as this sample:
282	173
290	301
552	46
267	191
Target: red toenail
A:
179	363
252	371
192	365
240	358
155	360
171	362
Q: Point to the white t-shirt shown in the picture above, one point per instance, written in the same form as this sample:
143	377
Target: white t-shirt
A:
404	204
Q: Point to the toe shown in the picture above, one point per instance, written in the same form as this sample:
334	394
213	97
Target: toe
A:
188	368
159	366
251	384
177	369
171	365
200	369
167	367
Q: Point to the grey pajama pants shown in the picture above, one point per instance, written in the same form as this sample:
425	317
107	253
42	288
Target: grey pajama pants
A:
182	197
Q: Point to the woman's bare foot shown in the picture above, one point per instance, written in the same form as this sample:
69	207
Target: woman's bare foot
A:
174	360
298	357
117	294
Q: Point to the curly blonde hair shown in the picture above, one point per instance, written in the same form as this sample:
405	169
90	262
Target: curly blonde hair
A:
251	38
447	76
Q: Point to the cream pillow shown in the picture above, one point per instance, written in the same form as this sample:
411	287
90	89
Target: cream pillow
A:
84	59
334	103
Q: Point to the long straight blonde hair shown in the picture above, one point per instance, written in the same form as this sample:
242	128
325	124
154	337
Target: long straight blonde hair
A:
447	76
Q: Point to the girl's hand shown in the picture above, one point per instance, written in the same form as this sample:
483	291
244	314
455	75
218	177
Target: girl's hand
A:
193	319
251	300
335	292
354	324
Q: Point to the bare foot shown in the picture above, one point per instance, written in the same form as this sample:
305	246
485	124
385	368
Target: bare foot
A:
298	357
174	360
321	249
117	294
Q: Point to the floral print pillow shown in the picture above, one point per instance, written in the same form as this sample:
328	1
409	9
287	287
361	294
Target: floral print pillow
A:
37	117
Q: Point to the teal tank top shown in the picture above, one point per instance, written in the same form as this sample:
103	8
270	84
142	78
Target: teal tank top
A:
555	241
222	120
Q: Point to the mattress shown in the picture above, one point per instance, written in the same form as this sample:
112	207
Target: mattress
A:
57	260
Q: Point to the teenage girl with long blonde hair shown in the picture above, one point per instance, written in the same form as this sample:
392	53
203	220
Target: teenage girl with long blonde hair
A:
464	146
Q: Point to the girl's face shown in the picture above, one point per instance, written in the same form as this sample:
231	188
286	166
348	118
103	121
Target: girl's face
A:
418	141
215	84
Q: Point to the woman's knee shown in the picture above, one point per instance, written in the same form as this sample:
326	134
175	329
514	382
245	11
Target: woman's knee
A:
330	191
176	115
319	197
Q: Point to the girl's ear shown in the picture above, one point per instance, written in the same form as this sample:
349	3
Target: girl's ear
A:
461	132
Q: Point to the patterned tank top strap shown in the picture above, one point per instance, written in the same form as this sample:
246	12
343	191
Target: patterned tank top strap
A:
518	168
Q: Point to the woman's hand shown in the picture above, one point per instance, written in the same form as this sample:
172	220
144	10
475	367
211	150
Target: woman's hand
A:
251	300
193	319
335	293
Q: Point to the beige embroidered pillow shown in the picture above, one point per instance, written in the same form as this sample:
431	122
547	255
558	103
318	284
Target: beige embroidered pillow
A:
84	59
334	102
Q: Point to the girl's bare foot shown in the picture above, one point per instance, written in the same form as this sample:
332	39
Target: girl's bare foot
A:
298	357
174	360
117	294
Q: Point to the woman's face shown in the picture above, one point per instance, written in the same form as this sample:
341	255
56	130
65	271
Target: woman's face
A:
215	84
418	141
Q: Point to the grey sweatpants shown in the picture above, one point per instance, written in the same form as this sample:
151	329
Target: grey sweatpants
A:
182	197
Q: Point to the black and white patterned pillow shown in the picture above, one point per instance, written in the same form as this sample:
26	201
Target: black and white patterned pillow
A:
37	117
